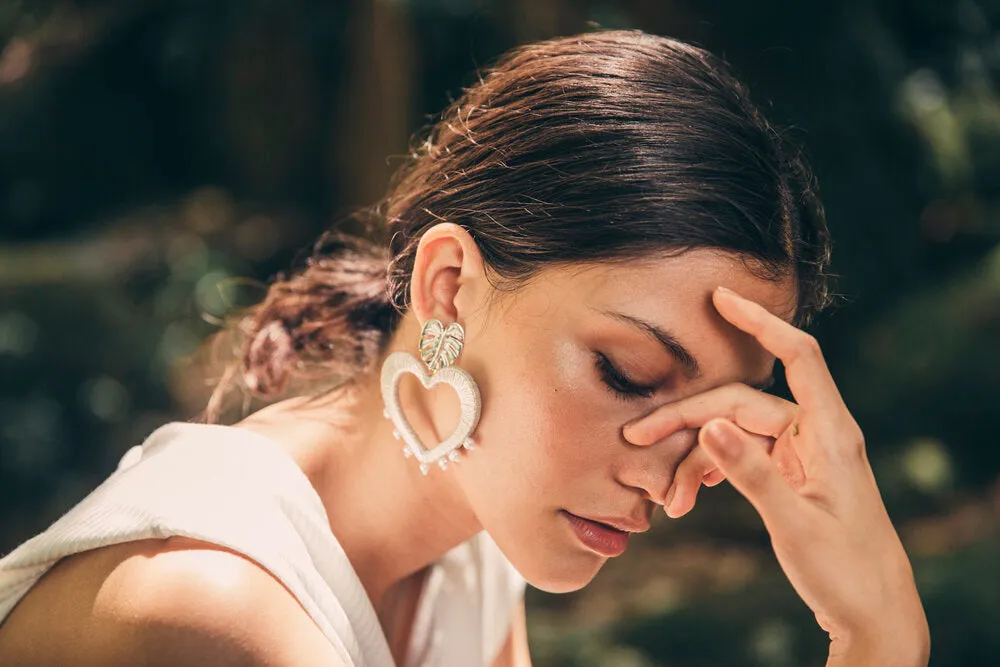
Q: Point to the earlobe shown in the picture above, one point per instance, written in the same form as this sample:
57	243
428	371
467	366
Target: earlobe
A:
447	272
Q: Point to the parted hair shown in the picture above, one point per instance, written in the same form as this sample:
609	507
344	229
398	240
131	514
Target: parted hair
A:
601	147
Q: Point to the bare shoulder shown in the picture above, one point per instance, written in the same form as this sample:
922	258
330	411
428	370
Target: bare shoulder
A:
161	602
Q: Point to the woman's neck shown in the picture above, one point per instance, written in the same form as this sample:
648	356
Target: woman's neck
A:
391	520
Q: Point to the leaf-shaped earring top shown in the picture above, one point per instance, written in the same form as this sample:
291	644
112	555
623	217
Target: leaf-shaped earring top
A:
440	345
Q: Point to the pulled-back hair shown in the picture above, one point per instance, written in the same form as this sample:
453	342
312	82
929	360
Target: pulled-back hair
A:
605	146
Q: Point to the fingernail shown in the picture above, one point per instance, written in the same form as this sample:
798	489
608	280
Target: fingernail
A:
726	290
671	492
672	512
630	434
722	438
672	502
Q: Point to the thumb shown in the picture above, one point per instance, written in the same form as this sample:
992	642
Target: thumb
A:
748	468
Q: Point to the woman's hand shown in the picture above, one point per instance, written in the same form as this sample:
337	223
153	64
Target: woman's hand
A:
815	492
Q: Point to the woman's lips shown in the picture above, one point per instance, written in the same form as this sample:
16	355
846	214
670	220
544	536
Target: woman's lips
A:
598	537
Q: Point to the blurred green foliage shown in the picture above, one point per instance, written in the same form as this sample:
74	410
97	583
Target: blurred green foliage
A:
155	153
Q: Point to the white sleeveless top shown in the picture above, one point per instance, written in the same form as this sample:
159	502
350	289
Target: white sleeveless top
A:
241	490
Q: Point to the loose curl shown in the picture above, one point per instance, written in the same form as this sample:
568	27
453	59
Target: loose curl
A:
321	325
600	147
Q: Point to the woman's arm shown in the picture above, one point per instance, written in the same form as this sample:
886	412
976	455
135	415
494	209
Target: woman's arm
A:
515	650
183	602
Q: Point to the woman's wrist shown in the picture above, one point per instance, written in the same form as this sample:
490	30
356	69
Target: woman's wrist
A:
894	635
915	654
905	646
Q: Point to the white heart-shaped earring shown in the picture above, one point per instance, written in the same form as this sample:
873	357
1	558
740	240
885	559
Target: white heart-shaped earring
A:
440	347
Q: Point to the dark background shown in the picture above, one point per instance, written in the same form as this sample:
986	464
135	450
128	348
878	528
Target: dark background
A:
152	152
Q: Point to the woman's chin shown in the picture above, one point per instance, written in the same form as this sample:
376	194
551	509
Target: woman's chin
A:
567	575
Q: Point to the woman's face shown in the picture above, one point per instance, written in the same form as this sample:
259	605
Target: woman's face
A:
563	364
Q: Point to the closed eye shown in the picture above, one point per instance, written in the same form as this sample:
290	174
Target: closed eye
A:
618	383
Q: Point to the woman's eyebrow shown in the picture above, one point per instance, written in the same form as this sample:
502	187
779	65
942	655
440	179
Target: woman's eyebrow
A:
666	339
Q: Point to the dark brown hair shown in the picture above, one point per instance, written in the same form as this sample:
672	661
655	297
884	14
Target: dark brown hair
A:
604	146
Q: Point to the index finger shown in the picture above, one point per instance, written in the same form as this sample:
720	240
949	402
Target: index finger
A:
808	377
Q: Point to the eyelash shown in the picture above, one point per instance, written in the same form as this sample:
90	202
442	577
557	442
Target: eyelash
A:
617	383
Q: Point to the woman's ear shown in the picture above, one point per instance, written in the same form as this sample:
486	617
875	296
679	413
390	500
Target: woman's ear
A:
448	274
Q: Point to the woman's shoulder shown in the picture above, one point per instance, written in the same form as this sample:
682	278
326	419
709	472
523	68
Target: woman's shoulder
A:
161	602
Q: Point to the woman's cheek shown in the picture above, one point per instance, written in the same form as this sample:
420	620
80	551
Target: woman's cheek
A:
569	433
545	413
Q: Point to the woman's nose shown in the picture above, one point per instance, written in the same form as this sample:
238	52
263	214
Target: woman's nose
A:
651	468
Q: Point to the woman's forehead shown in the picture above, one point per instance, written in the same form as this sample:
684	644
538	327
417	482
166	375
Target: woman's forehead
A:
682	282
658	305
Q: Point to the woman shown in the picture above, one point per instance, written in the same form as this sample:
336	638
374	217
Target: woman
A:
601	247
